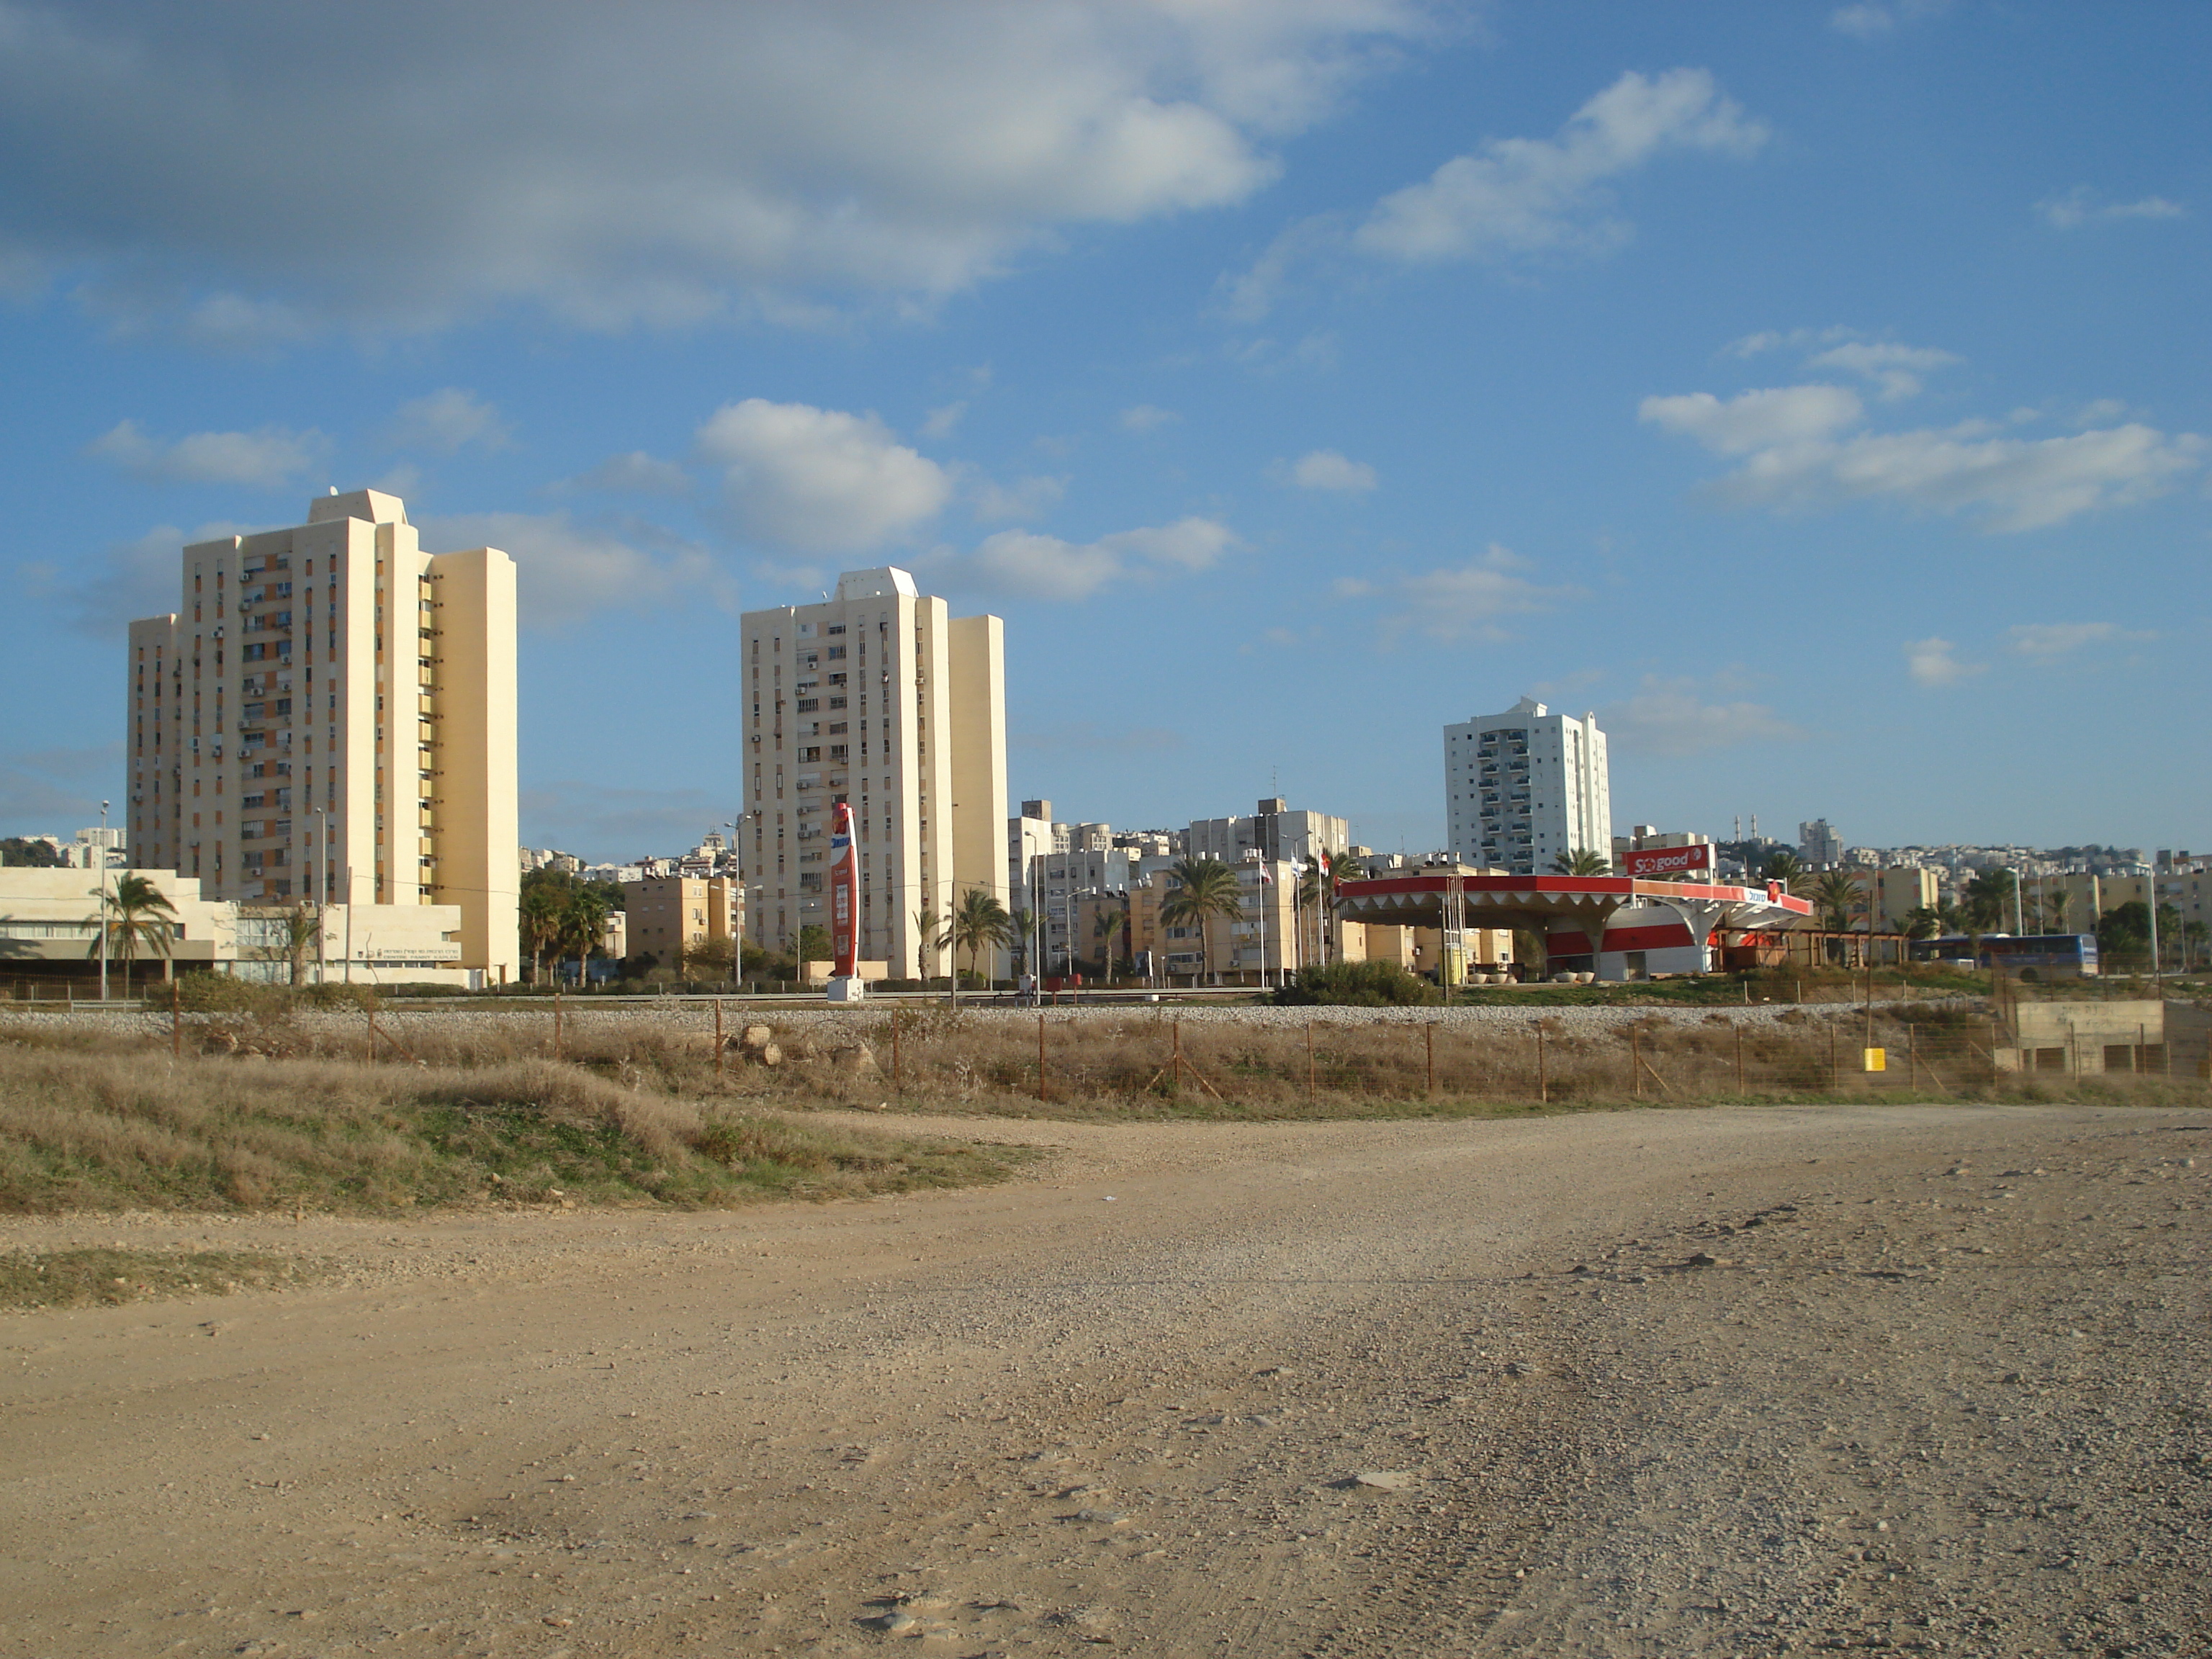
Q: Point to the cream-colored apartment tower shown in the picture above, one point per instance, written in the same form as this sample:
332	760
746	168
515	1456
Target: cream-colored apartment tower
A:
335	671
879	697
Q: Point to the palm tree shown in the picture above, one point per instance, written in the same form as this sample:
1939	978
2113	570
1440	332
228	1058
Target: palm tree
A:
1784	866
1111	919
1835	895
1924	922
979	921
1317	890
541	907
135	912
1582	861
302	927
1023	925
1203	888
583	925
1987	896
931	935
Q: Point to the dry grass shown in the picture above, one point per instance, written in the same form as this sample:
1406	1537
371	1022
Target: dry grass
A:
75	1278
96	1122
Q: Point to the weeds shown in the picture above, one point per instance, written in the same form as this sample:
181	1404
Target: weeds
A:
75	1278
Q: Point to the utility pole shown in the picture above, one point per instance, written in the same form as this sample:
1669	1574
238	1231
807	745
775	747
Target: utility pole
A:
100	853
323	901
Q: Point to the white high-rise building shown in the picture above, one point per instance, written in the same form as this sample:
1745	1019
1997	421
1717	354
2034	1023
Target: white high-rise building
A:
332	690
878	697
1523	787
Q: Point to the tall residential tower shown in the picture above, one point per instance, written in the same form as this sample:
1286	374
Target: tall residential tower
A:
879	697
1523	788
333	685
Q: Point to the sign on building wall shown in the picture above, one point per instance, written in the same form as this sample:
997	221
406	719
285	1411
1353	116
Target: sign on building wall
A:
1654	862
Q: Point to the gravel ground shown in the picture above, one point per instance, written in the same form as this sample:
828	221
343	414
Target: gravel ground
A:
1683	1384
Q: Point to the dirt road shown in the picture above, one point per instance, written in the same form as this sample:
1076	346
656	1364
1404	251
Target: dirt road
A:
1659	1383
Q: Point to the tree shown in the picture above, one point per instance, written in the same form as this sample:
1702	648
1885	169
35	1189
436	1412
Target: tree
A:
1203	888
1582	861
1988	900
710	958
1024	923
2192	943
980	922
1837	896
1924	922
584	925
545	898
2051	904
2125	930
1109	922
931	935
813	944
136	913
1783	866
1318	891
23	852
302	925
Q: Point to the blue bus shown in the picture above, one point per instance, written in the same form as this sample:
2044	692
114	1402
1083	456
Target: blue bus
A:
2029	956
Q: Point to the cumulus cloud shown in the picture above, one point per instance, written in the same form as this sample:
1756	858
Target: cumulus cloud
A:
2047	640
635	473
566	572
659	162
1519	198
274	458
820	480
1871	20
1145	418
1022	564
448	422
1460	602
1673	717
2073	209
941	421
1935	662
1324	469
1026	498
1898	370
1798	452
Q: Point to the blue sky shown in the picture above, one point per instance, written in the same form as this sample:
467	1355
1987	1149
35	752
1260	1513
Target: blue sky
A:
1819	393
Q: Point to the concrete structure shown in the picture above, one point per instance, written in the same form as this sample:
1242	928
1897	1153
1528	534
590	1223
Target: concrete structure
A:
49	929
879	697
2081	1037
1819	845
1523	787
668	916
334	677
1887	896
1273	832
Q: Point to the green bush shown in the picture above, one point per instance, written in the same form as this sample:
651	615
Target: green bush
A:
1357	985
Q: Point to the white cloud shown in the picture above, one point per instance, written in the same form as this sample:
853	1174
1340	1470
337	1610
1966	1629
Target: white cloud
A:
1798	457
1026	498
1324	469
1896	369
566	572
2073	209
1463	601
449	421
820	479
1756	420
943	421
1144	417
659	162
1934	662
2047	640
1021	562
274	458
1671	717
1871	20
1535	195
635	473
1518	198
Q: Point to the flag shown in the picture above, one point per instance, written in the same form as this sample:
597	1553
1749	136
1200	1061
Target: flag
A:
1265	880
1324	864
1299	868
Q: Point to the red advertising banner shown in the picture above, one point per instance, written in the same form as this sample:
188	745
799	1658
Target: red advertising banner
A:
844	892
1657	862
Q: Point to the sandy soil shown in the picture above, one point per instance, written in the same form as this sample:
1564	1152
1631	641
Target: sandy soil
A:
1696	1382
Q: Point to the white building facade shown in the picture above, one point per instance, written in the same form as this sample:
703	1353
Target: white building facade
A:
1523	788
880	698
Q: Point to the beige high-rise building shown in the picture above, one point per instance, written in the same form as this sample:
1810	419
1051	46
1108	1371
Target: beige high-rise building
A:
333	677
879	697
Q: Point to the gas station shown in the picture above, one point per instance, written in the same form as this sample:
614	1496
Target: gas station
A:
1628	926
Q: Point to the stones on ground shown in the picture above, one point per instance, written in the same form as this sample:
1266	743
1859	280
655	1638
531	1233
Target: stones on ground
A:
1103	1517
896	1622
1383	1480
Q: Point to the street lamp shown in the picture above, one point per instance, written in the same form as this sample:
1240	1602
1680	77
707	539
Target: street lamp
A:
737	864
99	852
323	891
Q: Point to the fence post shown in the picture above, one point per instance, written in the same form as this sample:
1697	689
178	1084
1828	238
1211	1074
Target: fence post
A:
1738	1057
1178	1056
1543	1078
718	1036
899	1081
1635	1063
1041	1094
370	1005
1429	1031
1313	1086
1912	1056
556	1022
176	1023
1835	1064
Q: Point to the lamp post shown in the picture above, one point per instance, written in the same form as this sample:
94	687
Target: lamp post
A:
99	852
322	891
737	867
